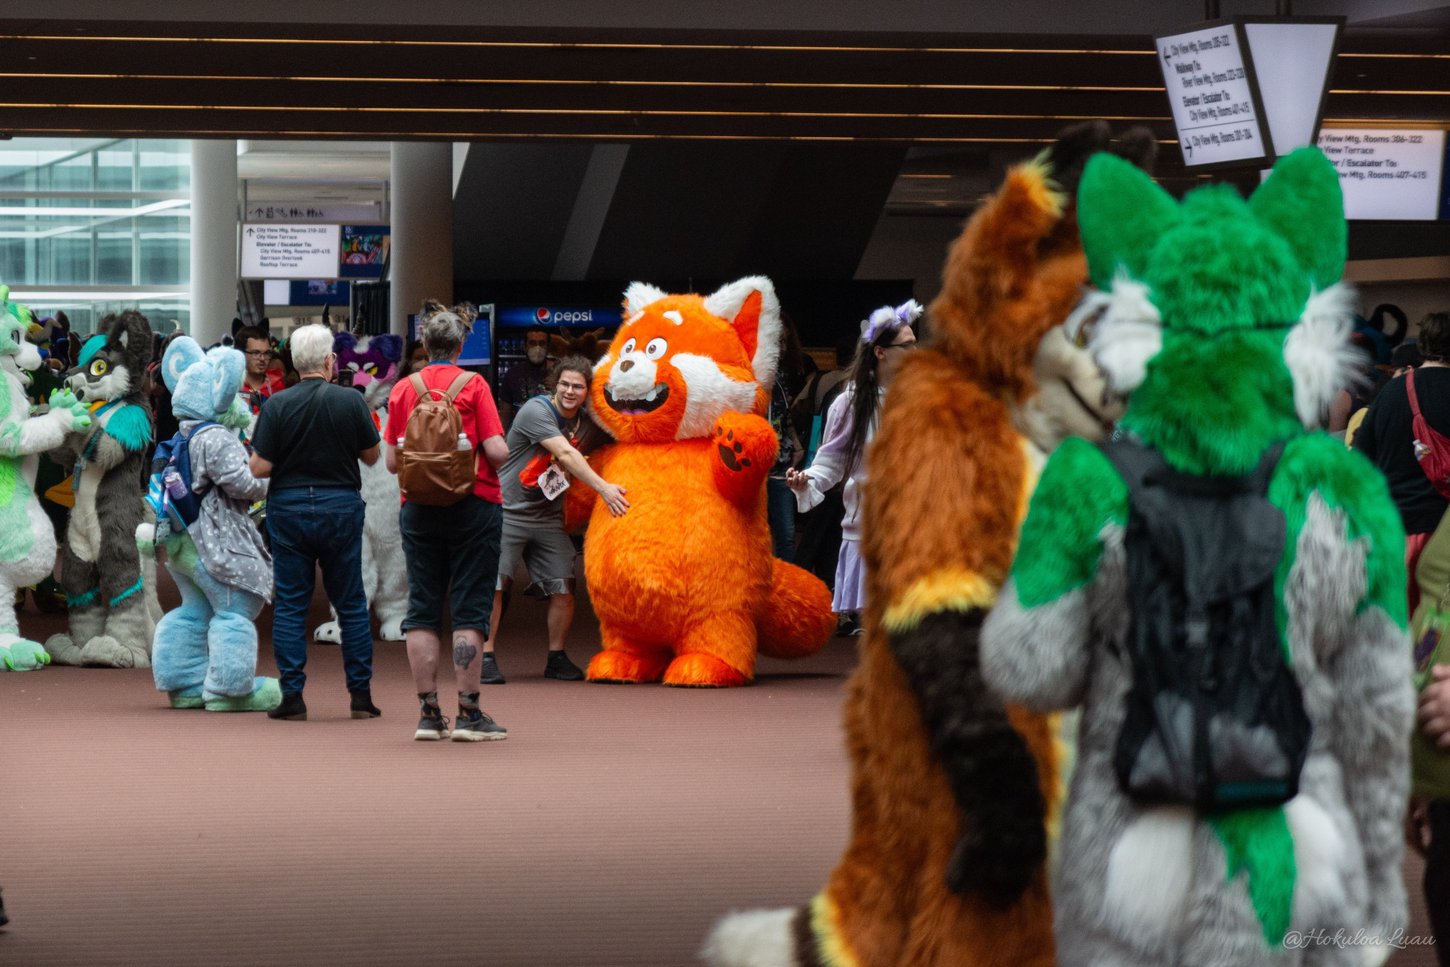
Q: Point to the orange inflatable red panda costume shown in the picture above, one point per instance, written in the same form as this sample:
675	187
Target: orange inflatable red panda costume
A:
950	790
684	584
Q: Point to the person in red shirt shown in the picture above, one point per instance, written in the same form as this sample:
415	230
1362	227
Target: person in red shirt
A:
451	552
260	381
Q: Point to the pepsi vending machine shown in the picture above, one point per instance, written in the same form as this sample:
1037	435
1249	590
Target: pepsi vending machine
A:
477	351
512	323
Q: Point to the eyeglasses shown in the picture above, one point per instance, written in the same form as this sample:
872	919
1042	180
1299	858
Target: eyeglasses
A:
901	345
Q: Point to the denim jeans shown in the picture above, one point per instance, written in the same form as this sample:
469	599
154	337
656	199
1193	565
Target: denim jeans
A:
312	527
780	506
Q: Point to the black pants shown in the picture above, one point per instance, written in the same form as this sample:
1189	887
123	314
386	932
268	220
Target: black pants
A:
1437	878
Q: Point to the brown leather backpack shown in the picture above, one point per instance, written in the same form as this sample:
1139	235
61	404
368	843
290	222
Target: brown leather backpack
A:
432	470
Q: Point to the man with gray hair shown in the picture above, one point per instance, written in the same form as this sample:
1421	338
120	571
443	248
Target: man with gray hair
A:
451	549
309	439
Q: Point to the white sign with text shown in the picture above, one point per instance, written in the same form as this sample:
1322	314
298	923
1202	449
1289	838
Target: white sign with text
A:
291	251
1213	104
1387	174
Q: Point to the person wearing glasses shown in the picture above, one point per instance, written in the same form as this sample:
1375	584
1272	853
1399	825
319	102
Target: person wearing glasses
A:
886	337
261	381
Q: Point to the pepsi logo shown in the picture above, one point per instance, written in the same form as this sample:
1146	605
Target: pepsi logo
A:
542	314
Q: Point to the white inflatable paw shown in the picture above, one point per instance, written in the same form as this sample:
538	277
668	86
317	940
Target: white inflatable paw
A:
328	634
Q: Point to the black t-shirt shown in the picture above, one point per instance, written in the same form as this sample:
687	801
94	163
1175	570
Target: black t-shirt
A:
312	433
1386	438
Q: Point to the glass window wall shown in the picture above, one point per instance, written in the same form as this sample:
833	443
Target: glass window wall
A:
91	226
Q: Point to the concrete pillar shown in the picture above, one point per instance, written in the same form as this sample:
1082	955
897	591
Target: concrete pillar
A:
213	239
421	258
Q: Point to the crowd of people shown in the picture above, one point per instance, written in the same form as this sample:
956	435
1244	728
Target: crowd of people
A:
531	435
1390	432
529	442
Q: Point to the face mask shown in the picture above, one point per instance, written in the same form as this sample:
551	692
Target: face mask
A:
536	354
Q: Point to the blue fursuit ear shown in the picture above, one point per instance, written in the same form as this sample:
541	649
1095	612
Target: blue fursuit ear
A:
202	385
228	367
181	355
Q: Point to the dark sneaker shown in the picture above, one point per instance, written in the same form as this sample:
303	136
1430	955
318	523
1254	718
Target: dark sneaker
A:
432	727
362	705
3	918
292	709
489	674
562	668
477	726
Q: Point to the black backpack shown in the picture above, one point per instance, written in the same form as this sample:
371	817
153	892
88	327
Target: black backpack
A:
1215	718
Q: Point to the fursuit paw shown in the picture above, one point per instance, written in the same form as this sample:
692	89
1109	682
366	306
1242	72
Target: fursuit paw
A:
699	670
746	447
68	411
744	440
328	634
62	650
186	697
998	857
22	655
618	667
266	695
106	652
391	630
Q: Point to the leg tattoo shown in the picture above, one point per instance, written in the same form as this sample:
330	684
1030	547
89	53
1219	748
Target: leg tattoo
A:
463	652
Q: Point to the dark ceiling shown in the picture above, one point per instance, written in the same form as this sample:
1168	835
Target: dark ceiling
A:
783	152
387	82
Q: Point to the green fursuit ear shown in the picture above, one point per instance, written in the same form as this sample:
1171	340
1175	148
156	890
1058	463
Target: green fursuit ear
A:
1121	213
1302	203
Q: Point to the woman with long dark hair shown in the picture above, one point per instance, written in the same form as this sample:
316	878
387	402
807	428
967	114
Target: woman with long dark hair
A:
850	424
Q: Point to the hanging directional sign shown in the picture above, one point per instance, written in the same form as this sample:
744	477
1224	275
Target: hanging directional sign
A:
290	251
1215	102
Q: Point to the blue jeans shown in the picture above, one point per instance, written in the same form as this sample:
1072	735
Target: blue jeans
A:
780	506
312	526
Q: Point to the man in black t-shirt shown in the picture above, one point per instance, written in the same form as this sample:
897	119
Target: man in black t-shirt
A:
309	439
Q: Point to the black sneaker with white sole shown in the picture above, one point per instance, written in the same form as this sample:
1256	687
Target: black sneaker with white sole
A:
476	725
432	727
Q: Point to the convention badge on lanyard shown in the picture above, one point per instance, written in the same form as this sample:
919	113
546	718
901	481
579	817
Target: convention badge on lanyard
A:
553	482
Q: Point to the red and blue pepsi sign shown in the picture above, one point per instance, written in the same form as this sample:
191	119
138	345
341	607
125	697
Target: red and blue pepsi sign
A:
558	317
